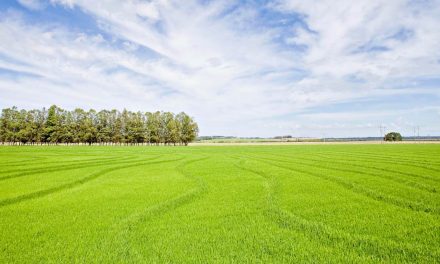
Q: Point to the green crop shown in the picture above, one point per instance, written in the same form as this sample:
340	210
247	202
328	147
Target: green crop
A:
283	204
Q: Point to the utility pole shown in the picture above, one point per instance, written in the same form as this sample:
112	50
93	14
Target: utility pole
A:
382	132
418	133
414	134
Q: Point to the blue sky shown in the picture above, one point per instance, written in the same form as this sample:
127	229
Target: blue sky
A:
241	68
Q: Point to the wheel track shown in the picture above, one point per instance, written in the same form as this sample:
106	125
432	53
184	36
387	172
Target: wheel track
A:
175	202
93	176
393	159
270	183
408	163
409	157
18	163
349	156
359	189
129	223
406	182
386	169
29	172
53	162
335	237
410	183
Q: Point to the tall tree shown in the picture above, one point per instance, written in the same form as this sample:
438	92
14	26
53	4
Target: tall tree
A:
57	125
103	127
6	125
52	125
153	124
188	128
166	120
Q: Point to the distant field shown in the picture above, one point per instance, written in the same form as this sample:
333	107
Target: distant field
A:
295	141
257	140
305	203
284	143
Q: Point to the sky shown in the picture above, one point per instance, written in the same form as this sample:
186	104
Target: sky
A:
240	68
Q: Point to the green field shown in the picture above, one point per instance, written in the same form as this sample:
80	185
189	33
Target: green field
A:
308	203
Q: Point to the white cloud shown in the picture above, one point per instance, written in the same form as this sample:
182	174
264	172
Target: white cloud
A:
32	4
345	35
217	65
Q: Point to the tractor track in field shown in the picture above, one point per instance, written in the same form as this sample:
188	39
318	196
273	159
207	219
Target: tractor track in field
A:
394	159
355	158
409	183
396	156
175	202
406	182
93	176
359	189
381	161
54	162
270	183
20	163
413	175
62	167
376	158
418	176
330	235
126	225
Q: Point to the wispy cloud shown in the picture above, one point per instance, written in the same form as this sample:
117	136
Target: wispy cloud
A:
32	4
242	69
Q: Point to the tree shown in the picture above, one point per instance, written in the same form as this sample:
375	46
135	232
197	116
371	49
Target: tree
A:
6	125
138	127
103	127
25	131
188	128
393	136
89	127
57	125
153	124
173	128
52	125
166	120
78	116
13	125
116	127
66	128
135	128
37	118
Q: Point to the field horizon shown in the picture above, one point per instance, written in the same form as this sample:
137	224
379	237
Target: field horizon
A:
333	203
226	143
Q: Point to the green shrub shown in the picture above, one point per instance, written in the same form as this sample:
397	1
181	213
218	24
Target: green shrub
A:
393	136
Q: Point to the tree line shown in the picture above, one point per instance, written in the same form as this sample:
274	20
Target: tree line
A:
56	125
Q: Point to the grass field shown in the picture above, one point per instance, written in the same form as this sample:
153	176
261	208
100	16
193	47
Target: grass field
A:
308	203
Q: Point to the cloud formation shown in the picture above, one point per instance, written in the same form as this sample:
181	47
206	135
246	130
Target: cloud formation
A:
240	69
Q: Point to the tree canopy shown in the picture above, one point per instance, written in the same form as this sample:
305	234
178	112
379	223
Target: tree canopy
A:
56	125
393	136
